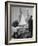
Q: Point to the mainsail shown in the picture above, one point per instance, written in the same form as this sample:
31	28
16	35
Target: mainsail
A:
22	21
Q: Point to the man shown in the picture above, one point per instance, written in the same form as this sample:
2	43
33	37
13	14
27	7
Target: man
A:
30	22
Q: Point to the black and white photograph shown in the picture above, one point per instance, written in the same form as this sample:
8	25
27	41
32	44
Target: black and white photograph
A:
20	22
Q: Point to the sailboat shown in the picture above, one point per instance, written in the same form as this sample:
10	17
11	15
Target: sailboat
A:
22	22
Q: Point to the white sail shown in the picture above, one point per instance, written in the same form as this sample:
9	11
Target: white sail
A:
22	21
